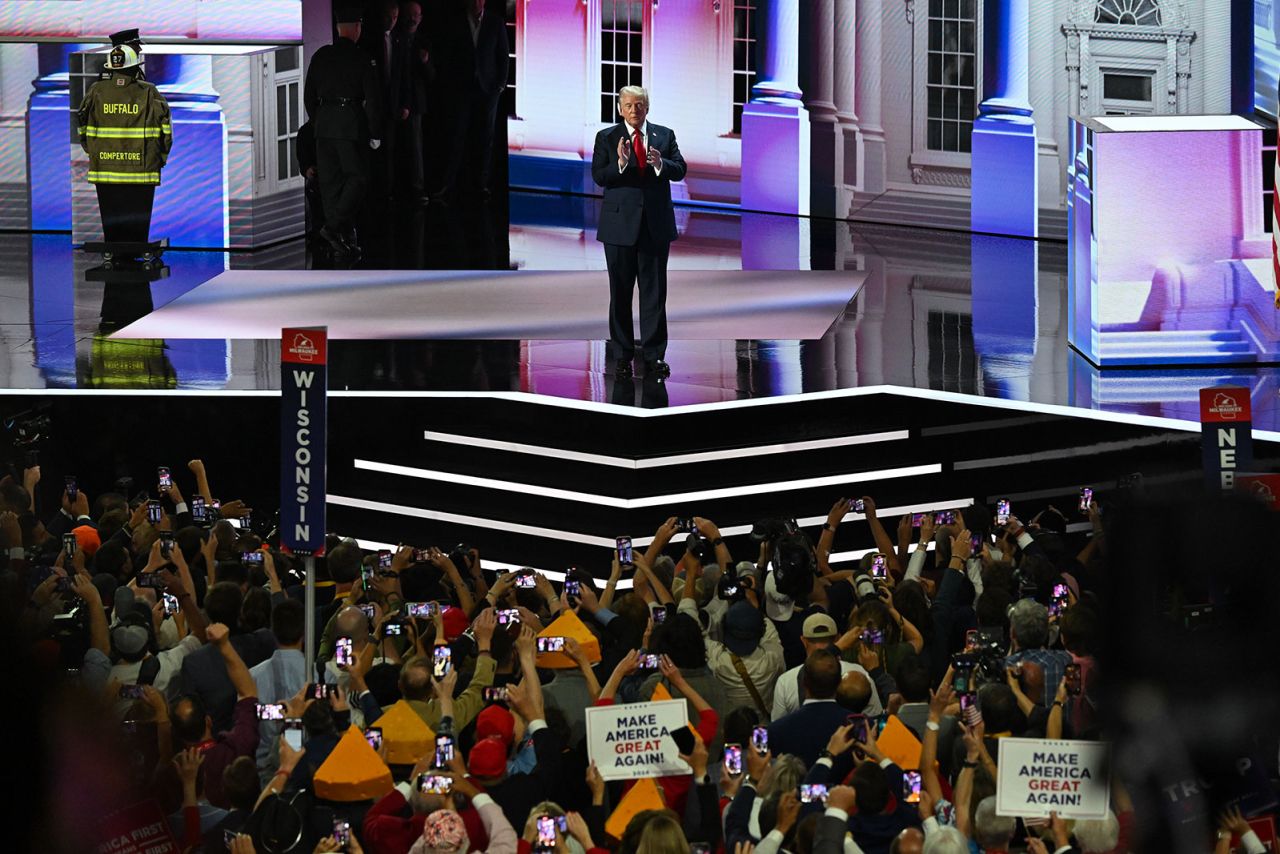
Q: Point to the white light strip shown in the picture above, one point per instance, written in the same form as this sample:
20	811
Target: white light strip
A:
477	522
603	542
669	460
651	500
1062	453
633	412
485	563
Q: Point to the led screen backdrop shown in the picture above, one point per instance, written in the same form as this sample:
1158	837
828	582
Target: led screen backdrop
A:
221	20
875	110
1150	282
888	90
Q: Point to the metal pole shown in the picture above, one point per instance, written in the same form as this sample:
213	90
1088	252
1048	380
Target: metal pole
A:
309	601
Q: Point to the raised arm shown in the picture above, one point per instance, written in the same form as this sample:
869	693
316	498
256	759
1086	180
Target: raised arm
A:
938	702
661	538
883	544
202	480
706	527
574	650
241	679
827	539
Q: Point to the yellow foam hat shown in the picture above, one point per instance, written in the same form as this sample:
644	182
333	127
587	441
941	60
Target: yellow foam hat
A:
406	738
644	795
353	771
567	625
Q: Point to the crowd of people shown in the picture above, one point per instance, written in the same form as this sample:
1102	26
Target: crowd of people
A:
403	110
445	714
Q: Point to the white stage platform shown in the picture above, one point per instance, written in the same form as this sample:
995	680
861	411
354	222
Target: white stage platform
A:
501	305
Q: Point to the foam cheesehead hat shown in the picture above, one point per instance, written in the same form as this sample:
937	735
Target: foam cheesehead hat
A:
567	625
406	738
353	771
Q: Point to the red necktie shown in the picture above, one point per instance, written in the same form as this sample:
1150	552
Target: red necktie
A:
641	155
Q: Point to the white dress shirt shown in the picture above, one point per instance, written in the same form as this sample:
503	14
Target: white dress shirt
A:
644	135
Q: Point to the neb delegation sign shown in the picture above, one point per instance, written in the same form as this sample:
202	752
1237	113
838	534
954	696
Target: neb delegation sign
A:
1038	776
633	740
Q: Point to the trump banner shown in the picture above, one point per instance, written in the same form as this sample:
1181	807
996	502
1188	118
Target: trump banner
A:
631	741
1038	776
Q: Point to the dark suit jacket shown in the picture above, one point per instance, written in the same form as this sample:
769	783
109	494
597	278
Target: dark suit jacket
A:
205	674
630	196
479	66
806	731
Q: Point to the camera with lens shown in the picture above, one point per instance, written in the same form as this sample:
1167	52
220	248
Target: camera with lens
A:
701	549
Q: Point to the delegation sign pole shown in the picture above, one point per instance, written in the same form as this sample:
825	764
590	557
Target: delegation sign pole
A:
303	384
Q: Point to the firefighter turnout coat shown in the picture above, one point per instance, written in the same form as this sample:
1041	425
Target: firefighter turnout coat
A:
124	127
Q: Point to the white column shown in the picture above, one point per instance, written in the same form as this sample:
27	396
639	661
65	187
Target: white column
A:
775	127
1004	166
869	24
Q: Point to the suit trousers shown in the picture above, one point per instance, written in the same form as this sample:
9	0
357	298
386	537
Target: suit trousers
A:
647	262
342	168
126	211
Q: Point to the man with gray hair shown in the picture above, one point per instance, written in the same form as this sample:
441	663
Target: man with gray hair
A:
635	162
992	832
1029	635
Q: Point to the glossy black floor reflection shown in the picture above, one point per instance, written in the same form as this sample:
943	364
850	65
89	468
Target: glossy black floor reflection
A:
939	312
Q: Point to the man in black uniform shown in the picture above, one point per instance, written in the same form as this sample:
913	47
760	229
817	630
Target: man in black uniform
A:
343	100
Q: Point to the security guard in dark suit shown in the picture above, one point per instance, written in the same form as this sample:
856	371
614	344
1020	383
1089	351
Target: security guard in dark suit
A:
343	100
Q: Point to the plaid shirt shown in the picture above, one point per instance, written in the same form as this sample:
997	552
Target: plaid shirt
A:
1052	661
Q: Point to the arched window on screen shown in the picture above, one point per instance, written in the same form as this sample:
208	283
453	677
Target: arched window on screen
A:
1141	13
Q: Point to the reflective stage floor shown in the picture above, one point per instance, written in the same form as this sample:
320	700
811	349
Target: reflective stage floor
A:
938	313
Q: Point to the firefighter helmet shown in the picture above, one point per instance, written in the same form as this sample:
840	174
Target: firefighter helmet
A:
123	56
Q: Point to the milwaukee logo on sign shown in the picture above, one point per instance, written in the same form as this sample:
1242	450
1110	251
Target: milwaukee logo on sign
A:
1225	408
303	349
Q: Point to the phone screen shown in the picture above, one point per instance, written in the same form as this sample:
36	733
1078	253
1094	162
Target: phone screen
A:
733	758
969	709
546	832
441	661
625	554
199	512
878	567
813	793
271	711
550	644
293	733
343	656
526	580
857	505
171	604
154	512
162	474
911	783
1002	511
760	739
341	832
70	544
859	731
1086	498
917	519
444	750
72	489
384	559
434	784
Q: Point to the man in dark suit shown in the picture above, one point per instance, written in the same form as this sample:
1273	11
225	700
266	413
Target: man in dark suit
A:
473	73
343	100
635	162
806	731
